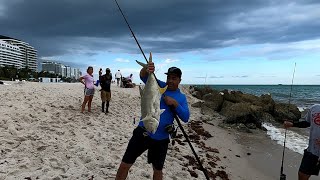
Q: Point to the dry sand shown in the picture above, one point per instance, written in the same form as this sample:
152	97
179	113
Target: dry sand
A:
43	135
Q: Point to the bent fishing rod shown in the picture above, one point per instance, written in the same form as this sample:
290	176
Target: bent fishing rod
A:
175	115
283	176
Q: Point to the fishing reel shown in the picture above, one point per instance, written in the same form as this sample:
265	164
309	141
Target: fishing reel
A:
282	177
172	130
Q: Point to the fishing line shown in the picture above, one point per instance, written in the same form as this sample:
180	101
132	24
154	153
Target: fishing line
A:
283	176
175	115
134	37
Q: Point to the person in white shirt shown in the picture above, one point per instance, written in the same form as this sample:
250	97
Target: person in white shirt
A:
118	76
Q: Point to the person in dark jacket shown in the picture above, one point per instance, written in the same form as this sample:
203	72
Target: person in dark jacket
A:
105	83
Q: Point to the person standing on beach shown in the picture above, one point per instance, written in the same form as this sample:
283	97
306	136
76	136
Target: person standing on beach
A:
157	143
98	81
88	82
105	83
310	163
118	76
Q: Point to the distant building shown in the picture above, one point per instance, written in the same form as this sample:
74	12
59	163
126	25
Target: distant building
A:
68	71
17	53
49	80
72	72
60	69
49	67
75	73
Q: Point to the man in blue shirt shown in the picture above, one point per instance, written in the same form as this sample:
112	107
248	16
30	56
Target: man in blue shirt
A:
157	143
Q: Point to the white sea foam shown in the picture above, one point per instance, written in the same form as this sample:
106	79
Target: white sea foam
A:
294	141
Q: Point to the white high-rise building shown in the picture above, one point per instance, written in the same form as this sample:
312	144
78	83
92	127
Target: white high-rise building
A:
17	53
72	72
10	55
68	71
60	69
77	73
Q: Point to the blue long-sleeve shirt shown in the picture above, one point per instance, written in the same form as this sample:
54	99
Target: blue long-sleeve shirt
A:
167	117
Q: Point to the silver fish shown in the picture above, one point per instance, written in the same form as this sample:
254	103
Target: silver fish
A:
150	101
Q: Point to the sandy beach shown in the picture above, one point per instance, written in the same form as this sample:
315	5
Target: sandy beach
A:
43	135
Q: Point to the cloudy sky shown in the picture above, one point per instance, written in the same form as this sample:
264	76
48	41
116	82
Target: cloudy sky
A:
212	41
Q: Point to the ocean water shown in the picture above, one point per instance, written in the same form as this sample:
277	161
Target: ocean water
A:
303	96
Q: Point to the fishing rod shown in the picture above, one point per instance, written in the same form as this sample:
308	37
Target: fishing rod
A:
175	115
187	138
283	176
131	31
134	37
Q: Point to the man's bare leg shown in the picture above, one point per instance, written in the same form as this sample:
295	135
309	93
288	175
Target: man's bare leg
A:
303	176
157	174
123	171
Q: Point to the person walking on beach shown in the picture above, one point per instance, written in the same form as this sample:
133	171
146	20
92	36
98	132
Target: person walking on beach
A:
88	82
157	143
118	76
105	83
310	163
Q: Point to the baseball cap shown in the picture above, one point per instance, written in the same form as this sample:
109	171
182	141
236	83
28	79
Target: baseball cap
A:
175	71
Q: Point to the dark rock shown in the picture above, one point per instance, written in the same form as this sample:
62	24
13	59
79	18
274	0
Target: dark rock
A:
205	110
239	108
284	111
213	100
197	104
266	117
226	105
251	126
243	128
242	113
268	103
232	96
206	118
197	94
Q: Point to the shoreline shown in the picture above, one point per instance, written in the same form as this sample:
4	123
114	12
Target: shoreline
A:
266	156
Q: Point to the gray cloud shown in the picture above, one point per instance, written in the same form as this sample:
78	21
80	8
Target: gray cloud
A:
87	27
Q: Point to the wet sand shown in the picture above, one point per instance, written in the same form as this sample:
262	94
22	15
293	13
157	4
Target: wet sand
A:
266	156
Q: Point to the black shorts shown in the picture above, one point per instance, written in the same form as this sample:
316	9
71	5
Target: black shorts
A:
140	142
310	164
